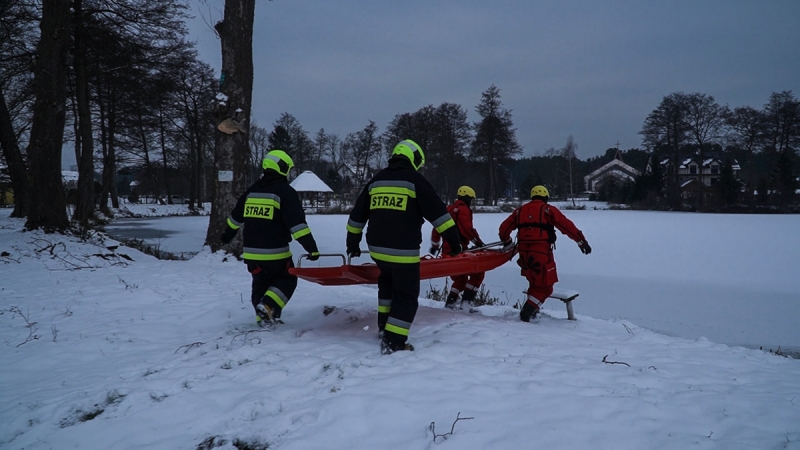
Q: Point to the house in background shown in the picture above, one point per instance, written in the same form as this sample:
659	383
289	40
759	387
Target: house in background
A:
615	170
693	171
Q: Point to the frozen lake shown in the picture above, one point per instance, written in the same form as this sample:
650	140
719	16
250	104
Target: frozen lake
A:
729	278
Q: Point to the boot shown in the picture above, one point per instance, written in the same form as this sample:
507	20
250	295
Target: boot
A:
451	301
267	312
528	312
468	297
389	346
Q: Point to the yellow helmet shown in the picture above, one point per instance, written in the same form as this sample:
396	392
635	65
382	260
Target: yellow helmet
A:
278	161
465	191
412	151
539	191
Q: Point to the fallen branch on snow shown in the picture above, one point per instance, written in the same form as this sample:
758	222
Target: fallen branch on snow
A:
614	362
189	347
432	427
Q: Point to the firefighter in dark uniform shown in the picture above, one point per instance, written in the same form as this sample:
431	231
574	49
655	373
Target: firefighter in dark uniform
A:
462	215
272	215
536	223
396	202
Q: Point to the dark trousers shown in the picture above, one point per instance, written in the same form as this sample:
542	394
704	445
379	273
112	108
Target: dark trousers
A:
399	284
271	279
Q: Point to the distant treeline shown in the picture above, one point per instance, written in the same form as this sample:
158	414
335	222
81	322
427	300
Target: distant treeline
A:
139	111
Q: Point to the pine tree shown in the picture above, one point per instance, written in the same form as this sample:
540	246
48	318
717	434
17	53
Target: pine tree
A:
495	138
728	187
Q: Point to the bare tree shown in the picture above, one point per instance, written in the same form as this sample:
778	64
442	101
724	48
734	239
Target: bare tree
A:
18	34
452	135
259	147
747	132
301	146
362	148
705	120
665	130
782	113
84	142
48	205
234	103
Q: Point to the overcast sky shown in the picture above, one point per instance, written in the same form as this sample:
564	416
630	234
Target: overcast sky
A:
590	69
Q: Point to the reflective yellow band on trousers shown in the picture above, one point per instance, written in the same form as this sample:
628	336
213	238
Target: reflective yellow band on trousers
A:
396	330
266	254
276	295
394	255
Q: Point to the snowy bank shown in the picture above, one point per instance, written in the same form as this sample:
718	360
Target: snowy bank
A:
104	351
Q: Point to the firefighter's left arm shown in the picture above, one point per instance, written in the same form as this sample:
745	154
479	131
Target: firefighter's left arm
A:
435	211
235	220
357	221
295	220
566	226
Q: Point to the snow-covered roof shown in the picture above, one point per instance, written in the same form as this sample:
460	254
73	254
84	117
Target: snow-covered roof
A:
616	167
308	181
69	175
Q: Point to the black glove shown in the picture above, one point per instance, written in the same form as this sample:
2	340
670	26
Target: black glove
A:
479	242
354	252
313	256
434	250
585	248
455	249
227	236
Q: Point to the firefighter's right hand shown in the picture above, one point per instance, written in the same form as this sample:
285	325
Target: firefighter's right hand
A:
354	252
434	250
455	249
585	248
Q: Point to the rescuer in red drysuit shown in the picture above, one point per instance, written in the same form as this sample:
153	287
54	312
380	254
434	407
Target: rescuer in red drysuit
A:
462	215
536	222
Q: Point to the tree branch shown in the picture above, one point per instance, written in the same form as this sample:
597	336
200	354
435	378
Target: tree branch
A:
432	427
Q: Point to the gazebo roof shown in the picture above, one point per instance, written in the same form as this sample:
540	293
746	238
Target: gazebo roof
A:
308	181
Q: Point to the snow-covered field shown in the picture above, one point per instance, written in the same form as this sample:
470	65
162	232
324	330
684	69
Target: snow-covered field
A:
103	352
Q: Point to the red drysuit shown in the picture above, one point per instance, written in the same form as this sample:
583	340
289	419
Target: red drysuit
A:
462	215
536	222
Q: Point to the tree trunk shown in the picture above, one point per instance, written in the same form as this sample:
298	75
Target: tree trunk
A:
16	164
163	143
232	150
48	209
110	166
84	207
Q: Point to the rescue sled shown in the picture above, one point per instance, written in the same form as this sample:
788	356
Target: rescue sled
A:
480	259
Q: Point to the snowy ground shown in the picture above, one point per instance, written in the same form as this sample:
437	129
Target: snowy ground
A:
105	352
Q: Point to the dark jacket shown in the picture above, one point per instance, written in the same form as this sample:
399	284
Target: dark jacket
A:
272	215
396	202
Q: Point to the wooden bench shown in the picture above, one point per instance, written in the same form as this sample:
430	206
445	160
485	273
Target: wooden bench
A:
566	296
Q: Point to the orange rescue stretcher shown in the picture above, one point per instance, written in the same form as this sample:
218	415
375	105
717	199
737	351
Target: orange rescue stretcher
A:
479	259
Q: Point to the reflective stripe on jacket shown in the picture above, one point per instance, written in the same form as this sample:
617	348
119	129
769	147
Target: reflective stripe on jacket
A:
272	215
396	202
